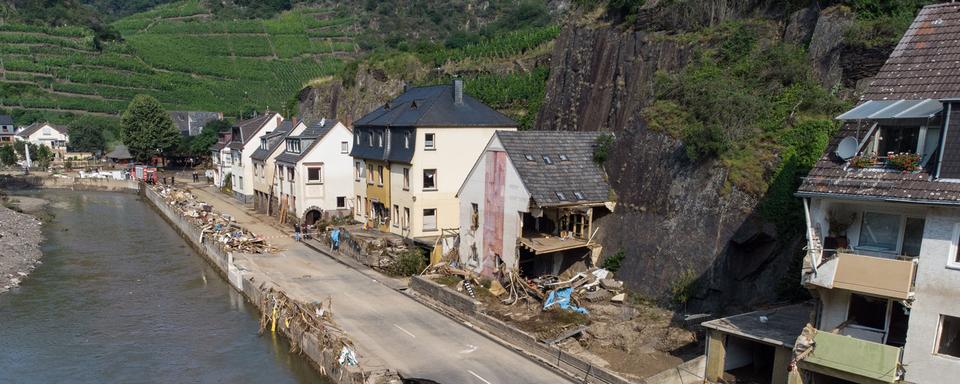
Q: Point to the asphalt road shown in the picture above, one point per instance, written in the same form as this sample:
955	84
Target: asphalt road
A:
404	334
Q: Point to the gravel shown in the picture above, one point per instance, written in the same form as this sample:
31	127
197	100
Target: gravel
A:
20	238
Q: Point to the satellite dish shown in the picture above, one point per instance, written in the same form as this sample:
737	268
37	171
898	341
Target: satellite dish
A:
847	148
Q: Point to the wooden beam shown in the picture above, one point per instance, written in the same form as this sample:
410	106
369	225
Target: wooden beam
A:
716	355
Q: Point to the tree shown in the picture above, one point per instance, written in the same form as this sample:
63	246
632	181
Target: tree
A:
147	129
200	144
86	137
40	155
8	156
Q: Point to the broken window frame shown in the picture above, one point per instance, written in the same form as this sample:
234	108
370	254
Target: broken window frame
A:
953	343
432	178
474	216
865	323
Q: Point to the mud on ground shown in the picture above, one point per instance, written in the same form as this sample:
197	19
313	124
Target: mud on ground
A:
20	239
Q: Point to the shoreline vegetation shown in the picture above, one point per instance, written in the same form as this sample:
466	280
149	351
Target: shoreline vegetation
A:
20	238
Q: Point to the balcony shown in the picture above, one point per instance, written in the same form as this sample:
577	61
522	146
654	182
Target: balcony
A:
876	276
852	359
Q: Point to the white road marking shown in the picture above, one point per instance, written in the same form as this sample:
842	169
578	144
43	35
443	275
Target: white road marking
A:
478	376
405	331
470	349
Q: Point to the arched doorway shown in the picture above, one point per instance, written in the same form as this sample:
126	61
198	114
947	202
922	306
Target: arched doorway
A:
312	216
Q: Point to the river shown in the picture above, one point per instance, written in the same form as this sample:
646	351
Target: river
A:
121	298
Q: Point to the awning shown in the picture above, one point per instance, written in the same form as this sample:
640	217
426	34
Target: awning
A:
893	109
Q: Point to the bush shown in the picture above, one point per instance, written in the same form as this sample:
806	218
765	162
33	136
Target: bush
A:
410	262
602	151
613	262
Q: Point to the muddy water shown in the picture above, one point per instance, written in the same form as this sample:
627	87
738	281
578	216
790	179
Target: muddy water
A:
121	298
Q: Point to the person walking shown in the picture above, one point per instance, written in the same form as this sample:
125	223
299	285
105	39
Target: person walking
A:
297	235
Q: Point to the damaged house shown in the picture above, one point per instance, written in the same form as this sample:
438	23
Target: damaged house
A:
313	179
263	160
883	231
530	203
244	140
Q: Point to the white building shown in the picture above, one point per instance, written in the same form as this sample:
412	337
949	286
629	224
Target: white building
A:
244	140
53	136
265	179
529	202
7	129
314	172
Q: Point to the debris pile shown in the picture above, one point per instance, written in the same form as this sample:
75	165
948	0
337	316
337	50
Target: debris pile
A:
219	226
298	320
20	238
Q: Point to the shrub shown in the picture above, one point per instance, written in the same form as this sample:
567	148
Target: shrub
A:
602	150
683	287
613	262
408	263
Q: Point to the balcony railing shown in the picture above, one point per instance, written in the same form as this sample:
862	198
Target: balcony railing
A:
853	359
877	276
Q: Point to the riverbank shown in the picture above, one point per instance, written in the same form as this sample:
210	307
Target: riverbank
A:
20	239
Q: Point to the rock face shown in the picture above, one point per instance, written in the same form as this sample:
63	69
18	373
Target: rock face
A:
331	99
826	45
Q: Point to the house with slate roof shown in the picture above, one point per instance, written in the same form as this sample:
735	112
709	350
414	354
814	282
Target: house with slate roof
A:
530	201
244	140
412	154
264	165
190	123
221	159
54	136
314	178
7	129
882	209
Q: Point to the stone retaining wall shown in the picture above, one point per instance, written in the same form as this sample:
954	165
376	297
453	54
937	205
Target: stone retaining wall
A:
324	359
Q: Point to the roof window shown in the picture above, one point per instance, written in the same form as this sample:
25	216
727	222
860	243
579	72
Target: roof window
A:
546	160
578	195
561	196
564	157
529	157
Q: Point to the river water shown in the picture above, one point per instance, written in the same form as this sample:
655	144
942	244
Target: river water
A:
121	298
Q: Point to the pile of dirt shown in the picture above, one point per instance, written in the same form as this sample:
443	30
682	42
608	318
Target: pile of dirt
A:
20	239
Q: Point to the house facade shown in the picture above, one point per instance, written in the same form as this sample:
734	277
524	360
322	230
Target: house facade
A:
244	140
314	172
264	165
412	154
8	130
882	210
529	202
54	136
220	158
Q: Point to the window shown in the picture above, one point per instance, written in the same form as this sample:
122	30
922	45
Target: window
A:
474	216
290	173
912	236
430	219
357	205
563	157
370	138
380	139
429	142
953	259
280	172
948	337
898	139
879	232
344	146
315	175
561	196
263	143
866	311
47	131
406	140
429	179
529	157
341	201
406	218
380	175
396	215
546	160
356	138
240	183
358	171
293	145
578	195
406	179
370	174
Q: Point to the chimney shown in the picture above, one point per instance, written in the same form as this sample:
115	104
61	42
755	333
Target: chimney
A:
458	91
323	121
279	119
295	120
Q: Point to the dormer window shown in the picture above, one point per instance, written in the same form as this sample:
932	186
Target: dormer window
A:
370	139
563	157
293	145
357	138
406	140
263	143
380	139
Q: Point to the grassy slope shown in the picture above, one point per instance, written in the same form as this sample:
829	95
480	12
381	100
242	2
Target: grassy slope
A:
174	54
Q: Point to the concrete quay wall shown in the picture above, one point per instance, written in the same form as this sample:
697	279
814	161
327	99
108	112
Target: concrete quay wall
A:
324	359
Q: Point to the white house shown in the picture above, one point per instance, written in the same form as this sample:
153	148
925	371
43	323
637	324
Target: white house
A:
529	202
53	136
244	140
221	159
264	164
314	172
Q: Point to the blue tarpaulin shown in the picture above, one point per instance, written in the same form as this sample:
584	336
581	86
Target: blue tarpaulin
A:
561	298
335	238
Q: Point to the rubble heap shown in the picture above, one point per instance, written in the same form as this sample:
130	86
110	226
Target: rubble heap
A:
20	238
219	226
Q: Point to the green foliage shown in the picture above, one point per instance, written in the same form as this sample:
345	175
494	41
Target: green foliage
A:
602	151
147	129
227	183
881	22
86	137
613	262
199	145
40	155
8	156
683	287
408	263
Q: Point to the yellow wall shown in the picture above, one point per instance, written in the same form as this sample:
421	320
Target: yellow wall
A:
376	191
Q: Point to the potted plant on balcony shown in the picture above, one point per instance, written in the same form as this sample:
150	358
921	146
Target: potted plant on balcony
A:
863	161
906	162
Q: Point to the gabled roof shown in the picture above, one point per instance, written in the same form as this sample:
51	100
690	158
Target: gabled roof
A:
925	64
223	138
33	128
274	140
544	178
434	106
250	127
6	120
191	122
315	132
